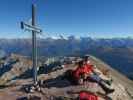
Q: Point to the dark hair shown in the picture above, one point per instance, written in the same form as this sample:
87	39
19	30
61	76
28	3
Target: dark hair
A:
80	63
86	57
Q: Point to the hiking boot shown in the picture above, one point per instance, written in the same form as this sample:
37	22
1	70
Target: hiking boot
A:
106	88
108	91
108	82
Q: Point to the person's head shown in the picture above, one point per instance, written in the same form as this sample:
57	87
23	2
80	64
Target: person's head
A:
86	58
80	63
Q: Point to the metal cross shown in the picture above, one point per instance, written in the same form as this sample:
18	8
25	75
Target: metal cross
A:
34	31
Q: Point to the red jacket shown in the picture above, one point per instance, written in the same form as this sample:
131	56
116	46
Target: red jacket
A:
85	69
87	96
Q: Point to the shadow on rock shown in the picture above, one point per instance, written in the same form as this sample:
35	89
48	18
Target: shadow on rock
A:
58	82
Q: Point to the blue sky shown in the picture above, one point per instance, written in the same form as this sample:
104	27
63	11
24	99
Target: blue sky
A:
96	18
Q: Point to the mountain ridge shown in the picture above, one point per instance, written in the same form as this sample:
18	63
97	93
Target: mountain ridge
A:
58	87
116	51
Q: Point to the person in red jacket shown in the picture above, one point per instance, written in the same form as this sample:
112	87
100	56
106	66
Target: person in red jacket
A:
81	70
85	72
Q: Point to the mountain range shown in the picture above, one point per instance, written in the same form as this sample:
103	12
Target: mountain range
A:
116	52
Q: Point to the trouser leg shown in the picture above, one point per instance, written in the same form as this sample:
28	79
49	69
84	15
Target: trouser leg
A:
98	79
95	78
102	83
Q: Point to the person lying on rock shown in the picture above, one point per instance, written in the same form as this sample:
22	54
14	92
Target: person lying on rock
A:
86	72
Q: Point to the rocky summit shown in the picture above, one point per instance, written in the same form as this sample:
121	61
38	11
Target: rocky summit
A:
16	73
